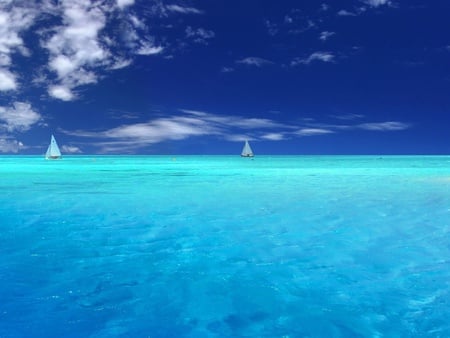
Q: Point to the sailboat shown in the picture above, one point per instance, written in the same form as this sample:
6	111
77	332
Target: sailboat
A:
53	152
247	151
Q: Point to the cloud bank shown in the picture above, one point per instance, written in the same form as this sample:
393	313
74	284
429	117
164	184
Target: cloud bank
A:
193	123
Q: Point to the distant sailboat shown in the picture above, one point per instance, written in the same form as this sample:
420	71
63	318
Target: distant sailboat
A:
247	151
53	152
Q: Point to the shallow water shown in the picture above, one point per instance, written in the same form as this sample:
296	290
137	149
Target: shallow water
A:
221	246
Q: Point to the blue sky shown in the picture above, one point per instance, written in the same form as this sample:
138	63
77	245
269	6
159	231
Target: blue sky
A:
200	77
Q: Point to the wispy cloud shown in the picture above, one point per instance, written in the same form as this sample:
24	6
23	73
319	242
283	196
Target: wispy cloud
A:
272	28
369	126
305	26
199	35
227	69
316	56
135	136
135	39
324	36
120	63
189	123
344	12
183	10
254	61
71	149
293	22
368	4
225	121
313	131
238	137
384	126
193	123
348	117
273	136
288	19
377	3
149	49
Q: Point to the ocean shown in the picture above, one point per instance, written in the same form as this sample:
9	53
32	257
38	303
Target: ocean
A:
223	246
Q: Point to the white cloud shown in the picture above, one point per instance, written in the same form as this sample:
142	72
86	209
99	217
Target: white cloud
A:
79	49
136	39
7	80
253	123
71	149
195	112
183	10
190	123
238	137
61	92
75	48
368	4
384	126
344	12
377	3
63	65
15	18
313	132
120	63
371	126
19	117
77	41
324	36
149	49
225	121
273	136
316	56
194	123
124	3
254	61
136	22
8	145
176	128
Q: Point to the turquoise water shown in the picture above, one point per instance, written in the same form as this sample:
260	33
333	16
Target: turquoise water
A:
224	246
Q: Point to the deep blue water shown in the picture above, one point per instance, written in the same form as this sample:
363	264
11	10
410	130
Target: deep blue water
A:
225	246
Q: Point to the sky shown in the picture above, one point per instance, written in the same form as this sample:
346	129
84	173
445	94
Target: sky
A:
199	77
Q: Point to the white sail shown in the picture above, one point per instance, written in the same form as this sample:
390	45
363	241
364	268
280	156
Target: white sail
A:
53	150
247	151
